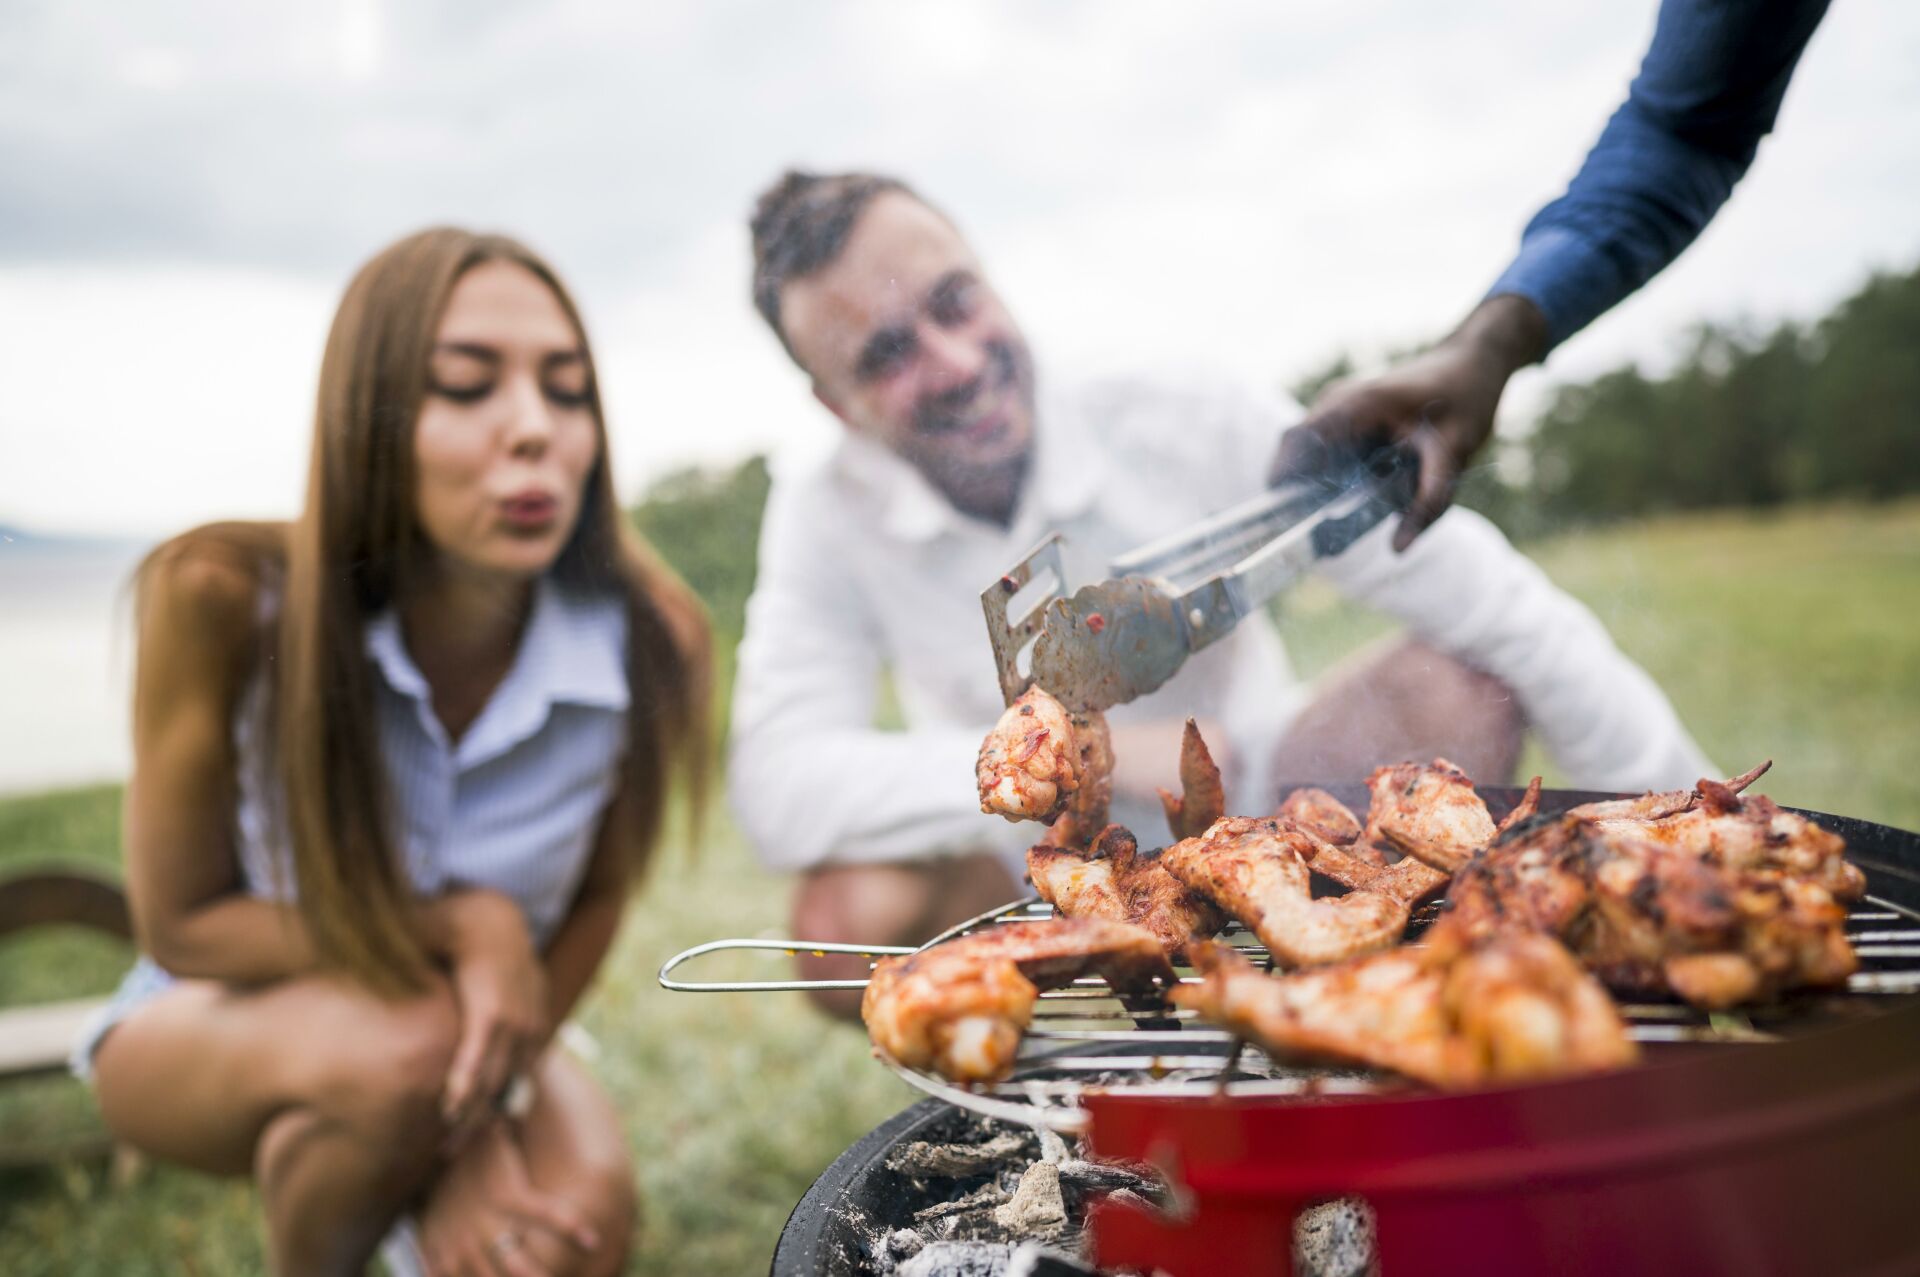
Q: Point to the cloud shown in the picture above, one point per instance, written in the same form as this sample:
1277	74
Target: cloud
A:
1247	187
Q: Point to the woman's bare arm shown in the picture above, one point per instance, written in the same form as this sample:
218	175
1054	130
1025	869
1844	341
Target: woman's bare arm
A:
588	930
197	646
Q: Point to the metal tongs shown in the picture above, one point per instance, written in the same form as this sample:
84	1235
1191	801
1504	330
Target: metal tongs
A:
1110	642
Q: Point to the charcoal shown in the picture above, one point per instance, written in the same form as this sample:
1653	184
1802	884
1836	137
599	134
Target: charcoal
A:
1127	1197
1031	1259
1335	1239
955	1161
1037	1208
1083	1180
904	1243
958	1259
983	1198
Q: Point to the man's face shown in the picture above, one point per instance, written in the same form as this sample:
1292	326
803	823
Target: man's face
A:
908	345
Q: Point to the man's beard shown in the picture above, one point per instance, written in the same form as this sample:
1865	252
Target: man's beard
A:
984	489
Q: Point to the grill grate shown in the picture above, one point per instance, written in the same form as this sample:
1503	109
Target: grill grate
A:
1082	1038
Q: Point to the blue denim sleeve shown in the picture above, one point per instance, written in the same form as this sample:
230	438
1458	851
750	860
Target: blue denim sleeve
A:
1708	91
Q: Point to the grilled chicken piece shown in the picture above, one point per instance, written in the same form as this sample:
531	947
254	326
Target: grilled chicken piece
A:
1650	917
1400	819
1257	871
1459	1016
960	1007
1748	833
1406	880
1656	806
1525	809
1430	813
1029	765
1529	1010
1202	798
1114	880
1041	762
1321	814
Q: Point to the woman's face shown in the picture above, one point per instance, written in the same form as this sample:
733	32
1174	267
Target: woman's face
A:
506	436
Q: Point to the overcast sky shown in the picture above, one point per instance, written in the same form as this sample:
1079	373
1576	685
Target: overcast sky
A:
1242	189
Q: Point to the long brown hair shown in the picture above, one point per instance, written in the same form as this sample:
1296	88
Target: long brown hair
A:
357	547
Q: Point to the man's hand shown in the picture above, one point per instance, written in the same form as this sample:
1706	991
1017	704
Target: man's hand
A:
1440	404
502	992
486	1218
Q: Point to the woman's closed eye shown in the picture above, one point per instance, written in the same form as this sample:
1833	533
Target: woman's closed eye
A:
461	392
561	392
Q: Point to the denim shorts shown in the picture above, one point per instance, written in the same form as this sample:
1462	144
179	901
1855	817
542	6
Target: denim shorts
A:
145	982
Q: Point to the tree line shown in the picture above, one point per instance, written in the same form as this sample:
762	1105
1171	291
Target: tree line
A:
1748	416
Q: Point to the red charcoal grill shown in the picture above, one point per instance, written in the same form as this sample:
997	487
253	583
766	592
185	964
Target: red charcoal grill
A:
1781	1140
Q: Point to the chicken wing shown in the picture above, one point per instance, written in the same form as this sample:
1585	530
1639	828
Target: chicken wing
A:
1651	917
1525	809
1257	871
1113	879
1431	813
1041	762
1202	799
1655	806
1407	880
961	1007
1462	1016
1749	833
1320	813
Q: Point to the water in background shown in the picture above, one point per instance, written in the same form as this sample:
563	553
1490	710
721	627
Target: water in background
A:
66	648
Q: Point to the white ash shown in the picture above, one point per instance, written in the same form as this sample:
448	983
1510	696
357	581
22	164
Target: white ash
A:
1030	1259
982	1199
1336	1239
958	1259
1037	1208
1083	1180
1008	1189
923	1160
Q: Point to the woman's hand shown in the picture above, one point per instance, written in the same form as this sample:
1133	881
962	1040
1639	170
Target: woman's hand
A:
485	1217
501	989
1440	404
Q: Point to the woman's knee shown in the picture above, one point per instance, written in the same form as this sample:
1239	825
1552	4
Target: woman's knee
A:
386	1073
605	1193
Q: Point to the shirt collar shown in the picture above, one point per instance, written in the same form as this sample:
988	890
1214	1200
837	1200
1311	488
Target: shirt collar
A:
1061	484
572	652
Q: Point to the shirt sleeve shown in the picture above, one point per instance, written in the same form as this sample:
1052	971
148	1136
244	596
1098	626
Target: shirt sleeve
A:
1709	89
1464	589
810	778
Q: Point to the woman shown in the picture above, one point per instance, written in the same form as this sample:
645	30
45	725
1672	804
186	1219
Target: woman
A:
395	766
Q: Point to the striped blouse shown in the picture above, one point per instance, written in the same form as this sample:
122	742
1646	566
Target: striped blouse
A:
515	804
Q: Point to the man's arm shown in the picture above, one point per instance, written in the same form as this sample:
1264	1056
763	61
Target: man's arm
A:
1465	590
809	776
1709	89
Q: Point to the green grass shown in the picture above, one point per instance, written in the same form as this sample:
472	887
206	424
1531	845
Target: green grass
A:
1794	636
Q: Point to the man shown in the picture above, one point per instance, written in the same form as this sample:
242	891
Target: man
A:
950	466
1709	89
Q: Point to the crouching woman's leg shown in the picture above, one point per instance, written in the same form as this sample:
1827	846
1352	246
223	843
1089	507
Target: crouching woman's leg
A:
550	1193
327	1093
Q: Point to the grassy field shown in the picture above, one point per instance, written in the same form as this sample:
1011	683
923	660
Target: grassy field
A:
1795	637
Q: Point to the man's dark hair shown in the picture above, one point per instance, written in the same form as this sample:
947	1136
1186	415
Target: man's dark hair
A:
800	224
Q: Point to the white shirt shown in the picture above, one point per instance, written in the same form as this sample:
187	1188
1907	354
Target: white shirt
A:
863	565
